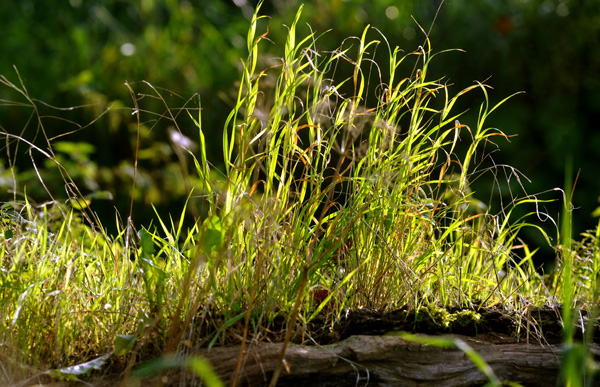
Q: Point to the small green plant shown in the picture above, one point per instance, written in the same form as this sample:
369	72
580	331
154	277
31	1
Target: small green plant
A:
578	264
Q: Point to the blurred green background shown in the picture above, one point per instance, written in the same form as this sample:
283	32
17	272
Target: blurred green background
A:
81	54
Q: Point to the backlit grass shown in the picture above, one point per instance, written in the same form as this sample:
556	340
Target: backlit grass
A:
336	194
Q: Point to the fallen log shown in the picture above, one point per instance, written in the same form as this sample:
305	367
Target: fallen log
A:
389	360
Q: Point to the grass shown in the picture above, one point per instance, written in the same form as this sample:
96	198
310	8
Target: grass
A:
336	194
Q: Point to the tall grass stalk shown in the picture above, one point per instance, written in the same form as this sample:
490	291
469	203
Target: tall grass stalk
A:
578	364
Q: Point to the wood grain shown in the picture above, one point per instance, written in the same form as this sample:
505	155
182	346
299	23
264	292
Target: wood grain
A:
390	360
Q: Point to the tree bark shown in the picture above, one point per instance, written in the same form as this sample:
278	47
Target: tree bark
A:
391	361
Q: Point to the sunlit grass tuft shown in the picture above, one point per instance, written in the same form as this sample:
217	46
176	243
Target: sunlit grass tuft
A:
335	195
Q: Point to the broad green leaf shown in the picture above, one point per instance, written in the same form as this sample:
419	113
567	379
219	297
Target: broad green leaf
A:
124	344
147	244
212	234
75	148
79	203
100	195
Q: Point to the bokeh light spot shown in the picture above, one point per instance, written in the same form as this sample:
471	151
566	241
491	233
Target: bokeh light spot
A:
392	12
127	49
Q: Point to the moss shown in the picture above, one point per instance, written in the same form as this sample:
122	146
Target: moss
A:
442	320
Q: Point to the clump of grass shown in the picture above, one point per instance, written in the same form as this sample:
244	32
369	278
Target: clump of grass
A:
336	194
362	195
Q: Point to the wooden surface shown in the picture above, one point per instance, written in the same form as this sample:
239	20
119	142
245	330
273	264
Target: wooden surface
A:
389	360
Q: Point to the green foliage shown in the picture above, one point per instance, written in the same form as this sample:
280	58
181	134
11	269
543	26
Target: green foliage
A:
578	363
80	53
213	234
77	56
124	344
347	182
201	367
